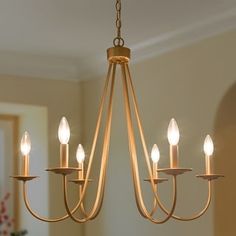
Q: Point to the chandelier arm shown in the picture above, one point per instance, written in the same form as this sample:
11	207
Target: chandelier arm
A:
140	127
133	154
147	159
106	146
82	209
82	204
170	213
98	125
137	114
26	201
201	212
131	143
25	196
101	185
85	219
155	206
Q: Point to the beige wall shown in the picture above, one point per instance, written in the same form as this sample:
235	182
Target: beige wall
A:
60	98
187	84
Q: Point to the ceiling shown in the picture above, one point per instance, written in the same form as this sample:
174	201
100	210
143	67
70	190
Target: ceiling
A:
67	40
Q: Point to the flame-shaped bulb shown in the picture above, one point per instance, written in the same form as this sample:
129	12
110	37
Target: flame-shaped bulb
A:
208	146
25	144
80	154
64	131
155	154
173	132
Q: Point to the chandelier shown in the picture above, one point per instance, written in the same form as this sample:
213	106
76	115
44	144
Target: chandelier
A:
118	56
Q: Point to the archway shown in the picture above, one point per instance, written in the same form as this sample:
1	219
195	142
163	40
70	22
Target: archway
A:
225	159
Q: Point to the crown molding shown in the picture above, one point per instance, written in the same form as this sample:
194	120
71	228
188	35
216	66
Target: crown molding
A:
80	69
185	36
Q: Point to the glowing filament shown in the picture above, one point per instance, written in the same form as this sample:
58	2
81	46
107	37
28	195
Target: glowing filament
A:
25	144
173	132
80	154
155	154
208	146
64	131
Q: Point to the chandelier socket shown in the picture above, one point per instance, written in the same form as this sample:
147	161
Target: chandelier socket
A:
79	181
118	54
23	178
174	171
63	170
157	180
210	177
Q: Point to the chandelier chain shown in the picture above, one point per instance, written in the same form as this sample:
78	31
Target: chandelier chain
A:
118	40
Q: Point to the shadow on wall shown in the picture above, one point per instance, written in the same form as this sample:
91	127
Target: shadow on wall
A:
225	161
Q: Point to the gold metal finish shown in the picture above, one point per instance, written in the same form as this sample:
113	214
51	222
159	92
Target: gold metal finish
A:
24	178
174	156
25	166
63	171
81	172
119	56
154	170
26	201
118	40
157	181
64	155
174	171
208	165
210	177
83	179
79	181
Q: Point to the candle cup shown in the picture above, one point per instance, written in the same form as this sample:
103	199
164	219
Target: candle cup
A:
25	166
64	155
173	156
154	170
208	165
81	171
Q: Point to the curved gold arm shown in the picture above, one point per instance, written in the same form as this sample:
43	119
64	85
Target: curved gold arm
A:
80	203
146	154
98	124
154	208
101	183
198	214
148	162
25	196
133	154
86	218
170	213
82	209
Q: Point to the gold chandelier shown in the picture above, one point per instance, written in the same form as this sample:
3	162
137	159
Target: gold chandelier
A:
117	56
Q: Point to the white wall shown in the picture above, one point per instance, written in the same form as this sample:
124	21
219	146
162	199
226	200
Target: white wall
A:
34	120
61	98
187	84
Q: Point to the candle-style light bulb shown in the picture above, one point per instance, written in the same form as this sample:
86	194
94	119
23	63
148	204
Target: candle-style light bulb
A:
64	131
25	145
173	132
80	154
208	146
208	149
155	154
